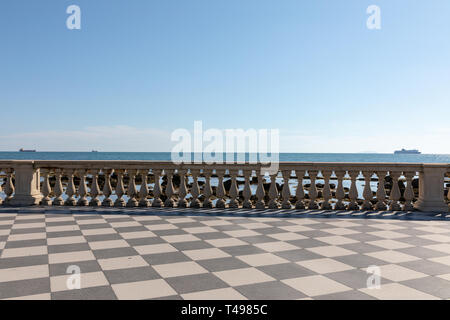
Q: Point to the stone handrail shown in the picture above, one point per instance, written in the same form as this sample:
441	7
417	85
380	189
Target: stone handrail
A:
166	184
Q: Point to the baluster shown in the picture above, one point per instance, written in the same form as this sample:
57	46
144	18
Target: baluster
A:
107	189
195	191
381	192
395	192
82	190
58	190
220	193
367	193
207	190
260	193
157	189
234	191
132	191
95	190
9	188
312	190
273	192
300	193
353	193
247	192
285	192
1	200
326	192
169	188
182	203
340	192
46	189
70	190
120	189
409	192
448	195
143	191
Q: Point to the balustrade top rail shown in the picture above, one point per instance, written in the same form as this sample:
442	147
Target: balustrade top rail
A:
140	164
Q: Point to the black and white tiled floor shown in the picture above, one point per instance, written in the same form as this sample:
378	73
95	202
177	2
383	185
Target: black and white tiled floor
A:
199	254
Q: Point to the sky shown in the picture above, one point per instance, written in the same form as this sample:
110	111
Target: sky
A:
138	70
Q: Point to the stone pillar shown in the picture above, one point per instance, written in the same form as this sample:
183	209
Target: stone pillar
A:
431	189
27	184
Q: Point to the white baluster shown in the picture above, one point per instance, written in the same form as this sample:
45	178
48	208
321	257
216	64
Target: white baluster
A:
132	190
273	192
234	191
326	192
143	191
1	200
381	192
182	203
409	192
120	189
9	188
207	190
353	193
260	192
195	191
46	189
157	189
312	192
395	192
340	193
58	190
299	192
448	195
70	190
247	192
169	188
95	190
367	193
107	189
82	190
220	193
286	192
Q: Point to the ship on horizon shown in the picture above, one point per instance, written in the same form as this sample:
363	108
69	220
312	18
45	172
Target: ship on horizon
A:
404	151
24	150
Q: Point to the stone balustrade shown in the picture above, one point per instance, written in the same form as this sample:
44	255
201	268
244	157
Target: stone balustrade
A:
296	185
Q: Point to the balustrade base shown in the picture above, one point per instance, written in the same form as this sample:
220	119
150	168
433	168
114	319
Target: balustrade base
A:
24	200
431	206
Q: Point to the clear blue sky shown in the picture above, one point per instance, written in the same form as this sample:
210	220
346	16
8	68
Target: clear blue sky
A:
139	69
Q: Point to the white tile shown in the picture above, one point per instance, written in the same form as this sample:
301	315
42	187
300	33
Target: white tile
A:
179	269
325	265
216	294
316	285
261	259
397	291
143	290
24	273
239	277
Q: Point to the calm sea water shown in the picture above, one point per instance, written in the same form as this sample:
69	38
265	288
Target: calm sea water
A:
166	156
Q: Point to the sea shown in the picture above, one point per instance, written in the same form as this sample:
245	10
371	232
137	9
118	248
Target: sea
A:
283	157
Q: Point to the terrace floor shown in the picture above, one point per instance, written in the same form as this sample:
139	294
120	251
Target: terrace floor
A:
221	254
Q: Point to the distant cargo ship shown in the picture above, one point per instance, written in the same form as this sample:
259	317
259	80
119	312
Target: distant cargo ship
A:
23	150
404	151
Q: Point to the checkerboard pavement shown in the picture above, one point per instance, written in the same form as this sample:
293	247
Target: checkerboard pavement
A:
188	254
